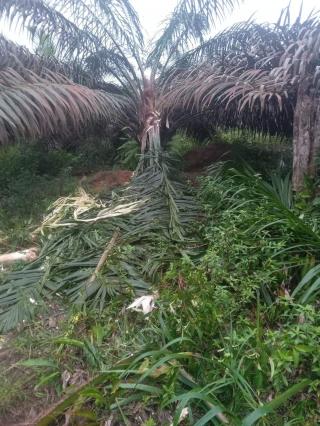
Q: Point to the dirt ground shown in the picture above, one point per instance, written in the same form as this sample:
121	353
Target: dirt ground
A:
107	180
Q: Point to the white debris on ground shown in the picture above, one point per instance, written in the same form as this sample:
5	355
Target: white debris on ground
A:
144	304
28	255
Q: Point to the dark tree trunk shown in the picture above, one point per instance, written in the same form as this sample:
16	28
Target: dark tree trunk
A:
306	136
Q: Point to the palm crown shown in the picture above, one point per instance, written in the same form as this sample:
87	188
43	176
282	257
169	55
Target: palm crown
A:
101	42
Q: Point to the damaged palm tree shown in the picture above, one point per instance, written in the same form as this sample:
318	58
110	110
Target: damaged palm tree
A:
82	256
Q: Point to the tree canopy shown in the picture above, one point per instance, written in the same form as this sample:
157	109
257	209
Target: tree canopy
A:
97	44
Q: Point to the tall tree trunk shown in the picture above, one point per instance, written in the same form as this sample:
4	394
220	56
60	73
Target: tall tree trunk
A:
306	135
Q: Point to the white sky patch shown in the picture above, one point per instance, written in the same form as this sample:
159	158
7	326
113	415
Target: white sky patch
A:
153	12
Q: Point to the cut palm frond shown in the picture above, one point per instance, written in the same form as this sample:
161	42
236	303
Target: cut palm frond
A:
153	212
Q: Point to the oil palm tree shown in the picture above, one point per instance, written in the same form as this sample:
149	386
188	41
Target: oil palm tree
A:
103	40
258	76
91	67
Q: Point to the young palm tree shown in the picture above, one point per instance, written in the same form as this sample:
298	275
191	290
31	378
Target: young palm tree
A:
258	76
100	39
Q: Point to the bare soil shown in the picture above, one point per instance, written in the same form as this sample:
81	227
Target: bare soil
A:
108	180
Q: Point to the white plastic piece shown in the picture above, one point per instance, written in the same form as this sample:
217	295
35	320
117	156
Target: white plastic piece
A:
145	304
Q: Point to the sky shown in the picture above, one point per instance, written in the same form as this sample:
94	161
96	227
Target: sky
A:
153	12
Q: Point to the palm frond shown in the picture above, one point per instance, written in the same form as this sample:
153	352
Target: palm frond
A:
37	16
153	218
33	106
19	58
189	23
247	75
308	288
94	25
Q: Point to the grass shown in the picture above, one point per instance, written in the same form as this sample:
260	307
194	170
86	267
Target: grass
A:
234	333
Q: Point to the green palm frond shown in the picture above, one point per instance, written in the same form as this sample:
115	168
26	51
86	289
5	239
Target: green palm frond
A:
20	296
189	23
153	218
247	75
116	21
20	58
33	106
38	16
93	43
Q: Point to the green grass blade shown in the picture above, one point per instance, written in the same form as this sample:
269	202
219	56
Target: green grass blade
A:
275	403
209	416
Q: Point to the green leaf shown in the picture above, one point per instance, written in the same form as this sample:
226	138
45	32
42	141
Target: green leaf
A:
47	379
70	342
208	416
39	362
275	403
304	348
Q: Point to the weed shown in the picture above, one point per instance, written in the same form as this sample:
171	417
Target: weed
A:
128	154
235	330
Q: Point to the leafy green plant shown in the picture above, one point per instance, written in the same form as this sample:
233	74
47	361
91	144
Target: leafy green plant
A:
181	143
92	154
31	179
128	154
231	338
309	287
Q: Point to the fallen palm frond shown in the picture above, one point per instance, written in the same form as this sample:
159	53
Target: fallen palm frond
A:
80	203
104	256
153	213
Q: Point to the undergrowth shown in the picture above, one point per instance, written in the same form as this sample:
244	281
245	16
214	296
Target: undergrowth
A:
33	176
234	334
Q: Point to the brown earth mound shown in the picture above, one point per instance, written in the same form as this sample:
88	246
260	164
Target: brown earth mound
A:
107	180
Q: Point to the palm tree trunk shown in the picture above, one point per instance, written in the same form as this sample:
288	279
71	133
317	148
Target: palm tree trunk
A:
306	135
149	136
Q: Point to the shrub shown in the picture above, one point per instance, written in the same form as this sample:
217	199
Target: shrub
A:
181	143
93	154
30	180
128	154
